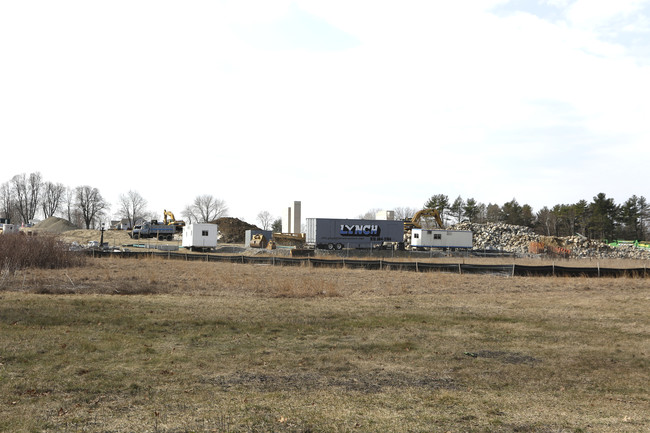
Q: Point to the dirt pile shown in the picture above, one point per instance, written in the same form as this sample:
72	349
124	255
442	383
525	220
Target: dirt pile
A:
55	225
233	230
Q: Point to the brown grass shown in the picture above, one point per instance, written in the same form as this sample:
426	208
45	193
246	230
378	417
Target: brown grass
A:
203	347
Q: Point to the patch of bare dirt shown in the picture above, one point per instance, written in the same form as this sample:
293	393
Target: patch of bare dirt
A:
82	236
369	382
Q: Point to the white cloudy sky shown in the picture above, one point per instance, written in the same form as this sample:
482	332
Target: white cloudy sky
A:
344	105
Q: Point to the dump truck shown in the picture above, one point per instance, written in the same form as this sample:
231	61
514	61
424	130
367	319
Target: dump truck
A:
331	234
152	230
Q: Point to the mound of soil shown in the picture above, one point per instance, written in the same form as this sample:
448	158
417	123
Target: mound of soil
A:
233	230
55	225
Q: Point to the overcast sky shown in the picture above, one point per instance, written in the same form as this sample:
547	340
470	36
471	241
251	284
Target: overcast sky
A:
344	105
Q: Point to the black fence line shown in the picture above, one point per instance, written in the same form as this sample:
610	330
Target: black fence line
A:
457	268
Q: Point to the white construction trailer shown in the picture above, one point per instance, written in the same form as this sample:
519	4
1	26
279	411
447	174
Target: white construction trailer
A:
447	239
200	237
9	228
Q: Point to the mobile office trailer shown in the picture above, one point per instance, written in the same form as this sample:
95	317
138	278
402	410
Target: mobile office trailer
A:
337	234
424	238
9	228
200	237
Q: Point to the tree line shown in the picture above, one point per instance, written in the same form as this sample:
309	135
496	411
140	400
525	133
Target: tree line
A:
601	218
25	197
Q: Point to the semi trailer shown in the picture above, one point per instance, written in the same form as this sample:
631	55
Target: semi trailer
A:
331	233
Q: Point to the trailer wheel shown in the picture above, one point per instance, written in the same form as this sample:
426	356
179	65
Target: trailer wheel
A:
161	238
170	237
339	246
330	246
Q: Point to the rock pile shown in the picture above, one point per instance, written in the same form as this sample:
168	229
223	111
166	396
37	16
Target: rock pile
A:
518	239
498	236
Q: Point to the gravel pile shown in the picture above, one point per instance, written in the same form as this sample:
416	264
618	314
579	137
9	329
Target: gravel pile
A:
518	239
55	225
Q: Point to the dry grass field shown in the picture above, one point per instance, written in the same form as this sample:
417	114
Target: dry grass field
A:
153	345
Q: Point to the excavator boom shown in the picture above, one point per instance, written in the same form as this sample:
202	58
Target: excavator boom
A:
424	213
170	220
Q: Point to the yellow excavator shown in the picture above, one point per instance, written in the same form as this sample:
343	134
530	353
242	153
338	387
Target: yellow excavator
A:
170	220
415	222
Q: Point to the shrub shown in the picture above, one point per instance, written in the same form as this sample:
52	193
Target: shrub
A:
19	252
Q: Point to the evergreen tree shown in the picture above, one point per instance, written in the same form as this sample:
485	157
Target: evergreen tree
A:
457	209
603	217
631	219
493	213
471	210
511	213
440	202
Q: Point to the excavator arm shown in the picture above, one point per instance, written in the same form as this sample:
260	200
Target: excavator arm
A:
170	220
169	214
424	213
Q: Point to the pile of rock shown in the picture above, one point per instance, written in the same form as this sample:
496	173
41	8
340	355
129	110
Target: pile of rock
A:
518	239
499	236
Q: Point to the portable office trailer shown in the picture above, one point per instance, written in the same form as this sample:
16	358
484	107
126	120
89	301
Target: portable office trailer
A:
424	238
200	236
333	233
9	228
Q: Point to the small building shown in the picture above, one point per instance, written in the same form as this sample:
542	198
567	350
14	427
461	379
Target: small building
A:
123	224
9	228
388	215
201	237
425	238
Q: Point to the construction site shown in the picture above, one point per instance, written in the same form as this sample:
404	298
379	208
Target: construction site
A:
423	235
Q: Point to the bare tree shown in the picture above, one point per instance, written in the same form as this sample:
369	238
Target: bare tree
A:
265	219
90	203
188	214
132	207
69	198
402	213
205	209
52	198
27	193
7	201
